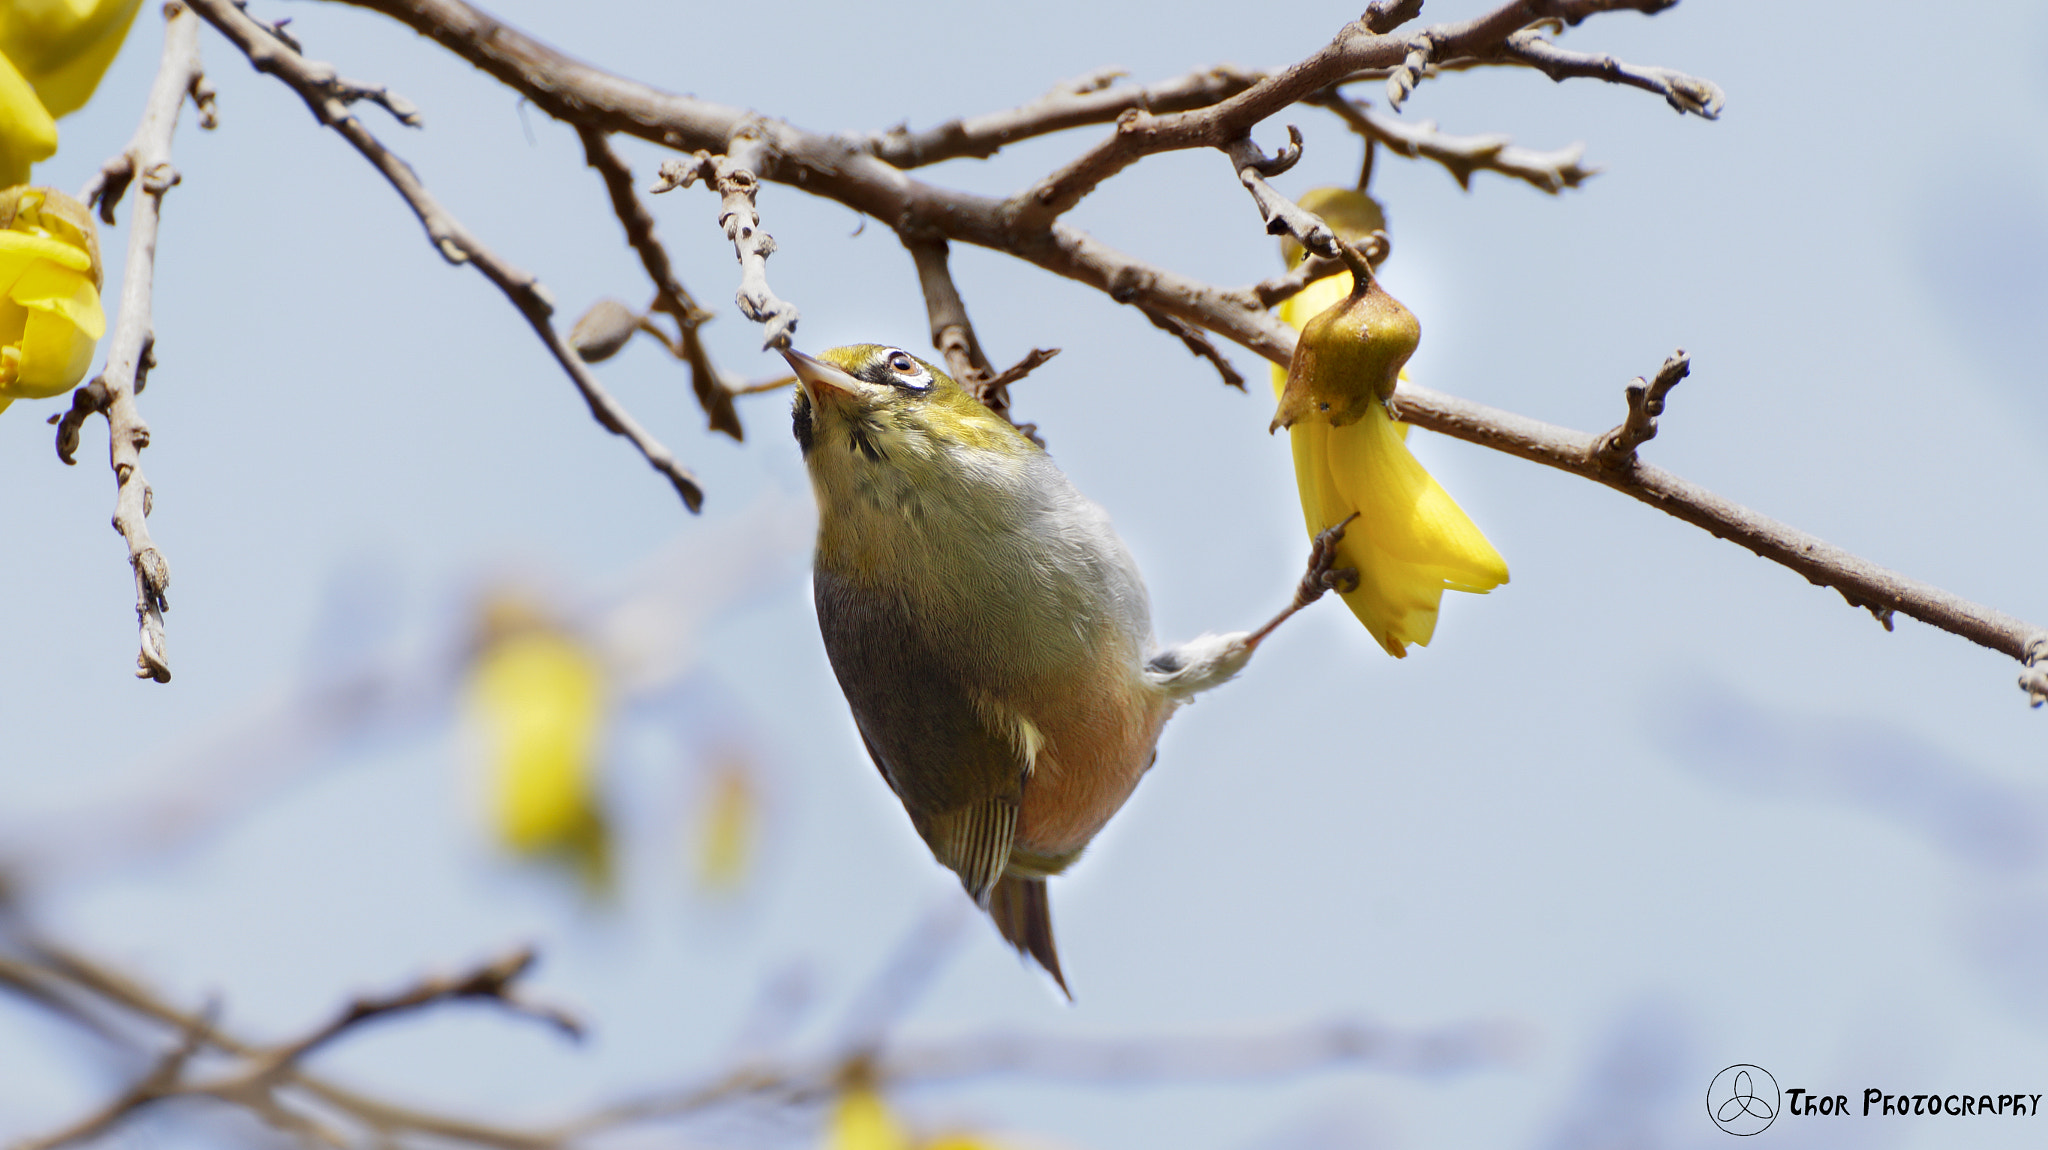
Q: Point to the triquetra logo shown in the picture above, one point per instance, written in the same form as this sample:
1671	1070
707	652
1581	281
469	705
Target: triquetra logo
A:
1743	1099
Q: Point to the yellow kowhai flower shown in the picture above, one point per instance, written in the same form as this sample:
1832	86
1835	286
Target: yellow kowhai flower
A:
52	55
1411	541
50	315
861	1121
538	695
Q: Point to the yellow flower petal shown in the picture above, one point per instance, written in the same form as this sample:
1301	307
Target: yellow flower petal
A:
50	315
64	294
1410	542
20	250
64	47
27	132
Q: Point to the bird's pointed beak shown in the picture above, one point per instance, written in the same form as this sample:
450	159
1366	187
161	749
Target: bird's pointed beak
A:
820	380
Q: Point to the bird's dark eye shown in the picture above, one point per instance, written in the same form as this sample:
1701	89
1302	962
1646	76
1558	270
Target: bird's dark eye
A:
903	363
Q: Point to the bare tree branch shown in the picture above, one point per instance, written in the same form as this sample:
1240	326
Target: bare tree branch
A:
1861	582
113	393
1684	93
953	335
1093	99
1198	344
161	1081
734	175
1617	448
268	1071
316	84
1461	156
670	297
1281	1052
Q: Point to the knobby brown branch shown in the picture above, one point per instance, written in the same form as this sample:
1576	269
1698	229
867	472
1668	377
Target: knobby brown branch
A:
1550	172
853	171
734	175
1617	448
147	157
1684	93
330	100
1861	582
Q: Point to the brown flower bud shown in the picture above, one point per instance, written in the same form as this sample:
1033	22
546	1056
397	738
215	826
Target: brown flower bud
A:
1348	357
603	330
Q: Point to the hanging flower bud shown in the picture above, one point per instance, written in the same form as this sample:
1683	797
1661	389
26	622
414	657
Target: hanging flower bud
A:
1410	542
1348	357
603	330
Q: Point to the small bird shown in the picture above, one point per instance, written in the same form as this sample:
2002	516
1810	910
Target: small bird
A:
990	631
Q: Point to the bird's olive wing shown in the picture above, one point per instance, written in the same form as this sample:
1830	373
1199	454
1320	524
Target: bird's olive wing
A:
957	775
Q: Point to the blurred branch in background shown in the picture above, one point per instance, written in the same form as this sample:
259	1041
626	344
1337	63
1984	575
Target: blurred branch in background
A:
188	1054
364	688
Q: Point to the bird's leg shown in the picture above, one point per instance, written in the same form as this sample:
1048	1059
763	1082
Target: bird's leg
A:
1322	575
1207	660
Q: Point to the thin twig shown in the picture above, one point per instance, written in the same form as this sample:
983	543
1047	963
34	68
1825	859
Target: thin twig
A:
1282	216
1282	1052
734	176
317	86
148	156
161	1081
1617	448
1383	16
493	981
670	297
1684	93
1192	338
1093	99
953	334
376	1117
1461	156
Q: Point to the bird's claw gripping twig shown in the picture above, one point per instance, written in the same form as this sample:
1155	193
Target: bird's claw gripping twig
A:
1322	575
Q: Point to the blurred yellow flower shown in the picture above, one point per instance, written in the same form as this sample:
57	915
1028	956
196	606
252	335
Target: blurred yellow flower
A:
52	55
50	316
861	1121
538	694
1411	541
725	829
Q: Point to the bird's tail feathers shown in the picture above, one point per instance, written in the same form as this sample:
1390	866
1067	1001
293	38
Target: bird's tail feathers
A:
1023	913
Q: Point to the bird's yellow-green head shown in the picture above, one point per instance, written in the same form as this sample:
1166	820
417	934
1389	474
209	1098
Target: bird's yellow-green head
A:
867	403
